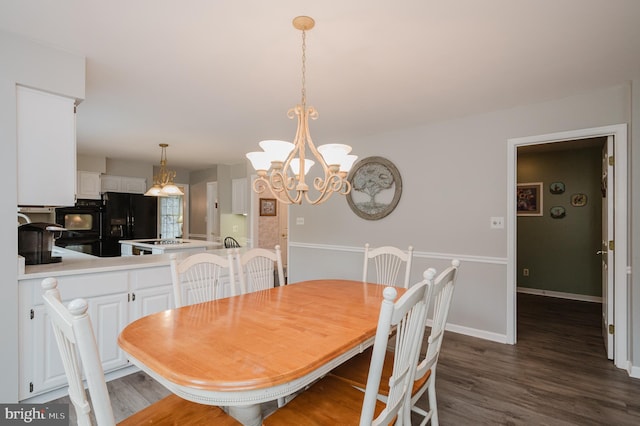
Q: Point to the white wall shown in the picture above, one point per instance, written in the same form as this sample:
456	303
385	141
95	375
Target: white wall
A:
33	65
454	178
131	169
91	164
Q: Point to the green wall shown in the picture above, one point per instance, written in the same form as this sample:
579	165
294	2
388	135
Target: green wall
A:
561	253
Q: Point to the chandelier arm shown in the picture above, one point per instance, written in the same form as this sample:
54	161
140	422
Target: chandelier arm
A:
282	185
261	184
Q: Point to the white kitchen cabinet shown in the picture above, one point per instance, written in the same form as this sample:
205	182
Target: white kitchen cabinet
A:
39	372
110	183
46	163
88	185
134	185
115	299
239	196
42	366
152	291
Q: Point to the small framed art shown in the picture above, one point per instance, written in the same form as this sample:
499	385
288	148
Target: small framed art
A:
579	200
529	199
268	207
556	187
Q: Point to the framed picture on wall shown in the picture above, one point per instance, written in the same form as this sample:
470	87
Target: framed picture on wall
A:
529	199
268	206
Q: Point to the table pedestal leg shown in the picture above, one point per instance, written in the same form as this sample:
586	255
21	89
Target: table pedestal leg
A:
248	415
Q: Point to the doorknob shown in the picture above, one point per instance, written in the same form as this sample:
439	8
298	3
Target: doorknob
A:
601	252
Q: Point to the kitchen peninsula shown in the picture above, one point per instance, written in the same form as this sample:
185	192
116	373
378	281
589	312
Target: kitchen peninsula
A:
119	290
162	246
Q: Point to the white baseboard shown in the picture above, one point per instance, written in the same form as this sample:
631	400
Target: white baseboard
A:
474	332
560	295
634	371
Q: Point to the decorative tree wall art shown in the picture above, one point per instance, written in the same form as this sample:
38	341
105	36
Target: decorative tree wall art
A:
376	187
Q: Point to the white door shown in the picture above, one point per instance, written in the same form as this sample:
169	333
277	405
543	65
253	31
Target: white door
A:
213	227
606	251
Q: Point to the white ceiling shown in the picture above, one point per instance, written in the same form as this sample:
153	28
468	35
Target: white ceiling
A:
212	78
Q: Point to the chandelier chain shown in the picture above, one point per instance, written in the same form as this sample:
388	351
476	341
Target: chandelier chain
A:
304	69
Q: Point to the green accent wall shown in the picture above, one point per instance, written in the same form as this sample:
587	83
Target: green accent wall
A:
560	254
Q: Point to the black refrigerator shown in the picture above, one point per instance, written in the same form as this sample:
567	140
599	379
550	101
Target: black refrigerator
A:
127	217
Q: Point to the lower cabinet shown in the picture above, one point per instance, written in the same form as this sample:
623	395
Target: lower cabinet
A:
114	298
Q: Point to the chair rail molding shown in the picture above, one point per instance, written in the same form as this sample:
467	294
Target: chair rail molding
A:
419	254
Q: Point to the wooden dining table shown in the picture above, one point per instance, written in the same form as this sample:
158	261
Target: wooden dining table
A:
241	351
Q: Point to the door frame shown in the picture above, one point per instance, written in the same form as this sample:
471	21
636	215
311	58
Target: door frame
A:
621	268
213	214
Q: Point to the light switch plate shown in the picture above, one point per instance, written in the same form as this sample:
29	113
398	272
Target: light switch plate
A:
497	222
299	220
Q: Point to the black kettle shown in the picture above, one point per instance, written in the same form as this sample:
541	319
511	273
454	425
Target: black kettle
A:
35	242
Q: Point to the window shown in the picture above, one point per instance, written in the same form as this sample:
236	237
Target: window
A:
171	217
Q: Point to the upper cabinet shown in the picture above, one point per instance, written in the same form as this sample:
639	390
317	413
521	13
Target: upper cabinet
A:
88	185
46	133
133	185
239	196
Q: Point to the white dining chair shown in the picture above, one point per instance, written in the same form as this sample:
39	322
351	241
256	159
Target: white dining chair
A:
388	261
201	277
355	371
256	269
336	402
77	345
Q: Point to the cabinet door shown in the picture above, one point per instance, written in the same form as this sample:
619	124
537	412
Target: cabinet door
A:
152	291
40	364
239	196
46	133
109	316
110	183
88	185
134	185
151	300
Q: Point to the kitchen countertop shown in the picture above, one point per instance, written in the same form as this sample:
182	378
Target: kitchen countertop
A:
74	263
171	244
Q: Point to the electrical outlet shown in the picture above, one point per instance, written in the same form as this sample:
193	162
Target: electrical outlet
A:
299	220
525	272
497	222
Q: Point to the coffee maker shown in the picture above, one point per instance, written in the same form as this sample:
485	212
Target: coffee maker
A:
35	242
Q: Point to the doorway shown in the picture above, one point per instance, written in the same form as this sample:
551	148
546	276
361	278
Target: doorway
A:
618	282
269	231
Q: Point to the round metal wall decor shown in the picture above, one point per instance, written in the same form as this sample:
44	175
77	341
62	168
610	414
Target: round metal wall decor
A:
376	187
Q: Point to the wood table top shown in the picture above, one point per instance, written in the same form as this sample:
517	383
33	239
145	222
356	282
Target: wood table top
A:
256	340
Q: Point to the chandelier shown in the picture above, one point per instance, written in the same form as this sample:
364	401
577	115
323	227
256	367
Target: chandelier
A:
283	166
163	185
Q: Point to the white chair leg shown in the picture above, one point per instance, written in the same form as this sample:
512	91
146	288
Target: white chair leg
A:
433	406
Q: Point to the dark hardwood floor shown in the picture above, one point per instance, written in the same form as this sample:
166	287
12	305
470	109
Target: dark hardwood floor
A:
557	374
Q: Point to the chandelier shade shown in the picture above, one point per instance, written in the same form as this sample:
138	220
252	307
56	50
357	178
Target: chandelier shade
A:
282	166
163	185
